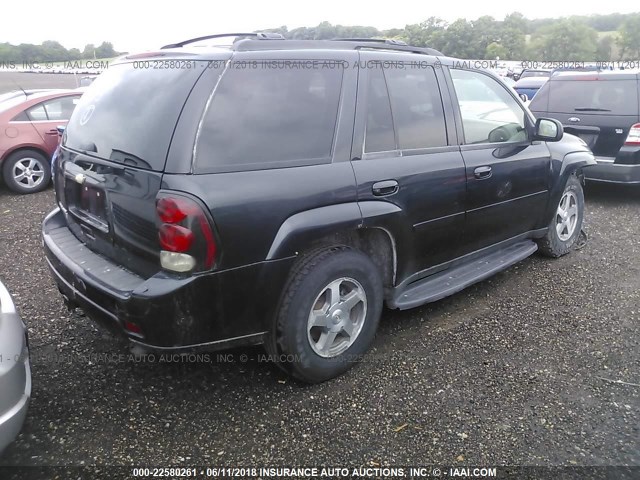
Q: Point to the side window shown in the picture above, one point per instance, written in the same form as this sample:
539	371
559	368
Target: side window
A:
379	134
37	113
21	117
268	118
417	107
58	109
489	113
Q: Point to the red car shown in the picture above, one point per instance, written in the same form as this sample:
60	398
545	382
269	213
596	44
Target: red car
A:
28	135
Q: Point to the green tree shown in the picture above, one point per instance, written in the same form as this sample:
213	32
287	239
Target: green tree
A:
89	51
75	54
629	38
513	36
485	32
29	52
283	30
429	33
459	41
105	50
496	50
52	51
604	50
564	40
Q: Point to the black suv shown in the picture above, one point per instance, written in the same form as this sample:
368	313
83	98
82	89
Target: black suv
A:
602	108
279	192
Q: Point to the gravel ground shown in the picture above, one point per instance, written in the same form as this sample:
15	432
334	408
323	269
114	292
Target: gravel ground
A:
519	369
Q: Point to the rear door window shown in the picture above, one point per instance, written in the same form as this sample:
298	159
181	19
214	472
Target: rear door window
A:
417	107
606	97
379	134
269	117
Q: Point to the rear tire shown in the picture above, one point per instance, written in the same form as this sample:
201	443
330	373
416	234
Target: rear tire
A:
26	171
566	224
328	315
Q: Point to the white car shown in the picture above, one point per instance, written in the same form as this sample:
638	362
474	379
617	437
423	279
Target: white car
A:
15	371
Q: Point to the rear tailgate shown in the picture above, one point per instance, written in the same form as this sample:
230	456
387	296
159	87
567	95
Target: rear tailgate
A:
113	156
597	108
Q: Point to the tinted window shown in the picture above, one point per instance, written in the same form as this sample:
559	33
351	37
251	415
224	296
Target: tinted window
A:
379	135
489	113
21	117
128	114
270	117
618	97
417	108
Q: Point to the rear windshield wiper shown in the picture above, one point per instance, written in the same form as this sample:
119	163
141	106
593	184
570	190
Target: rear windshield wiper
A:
591	109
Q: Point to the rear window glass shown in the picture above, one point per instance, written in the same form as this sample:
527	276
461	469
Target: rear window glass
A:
534	73
129	113
268	118
616	97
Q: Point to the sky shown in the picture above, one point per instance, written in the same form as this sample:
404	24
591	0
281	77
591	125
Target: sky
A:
136	25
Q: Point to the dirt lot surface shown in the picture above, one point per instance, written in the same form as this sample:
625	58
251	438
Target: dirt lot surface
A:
520	369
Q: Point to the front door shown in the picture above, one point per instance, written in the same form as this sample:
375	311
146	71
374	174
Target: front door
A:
507	173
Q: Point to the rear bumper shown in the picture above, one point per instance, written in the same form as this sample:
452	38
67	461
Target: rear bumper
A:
610	171
205	311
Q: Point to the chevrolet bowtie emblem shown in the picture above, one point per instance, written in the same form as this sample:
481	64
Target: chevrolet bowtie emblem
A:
80	178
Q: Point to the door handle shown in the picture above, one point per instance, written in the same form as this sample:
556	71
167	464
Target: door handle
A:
52	132
482	173
386	187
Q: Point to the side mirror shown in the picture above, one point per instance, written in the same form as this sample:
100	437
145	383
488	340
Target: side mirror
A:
524	97
548	130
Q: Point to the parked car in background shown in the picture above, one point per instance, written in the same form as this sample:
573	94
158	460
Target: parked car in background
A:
531	73
15	371
87	80
602	109
529	86
28	135
285	205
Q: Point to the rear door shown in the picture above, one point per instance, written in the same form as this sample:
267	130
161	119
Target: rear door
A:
405	156
507	173
599	108
113	156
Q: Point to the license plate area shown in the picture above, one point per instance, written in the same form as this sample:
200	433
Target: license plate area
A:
87	203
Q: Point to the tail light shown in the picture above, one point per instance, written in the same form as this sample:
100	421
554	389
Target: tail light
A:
633	139
186	237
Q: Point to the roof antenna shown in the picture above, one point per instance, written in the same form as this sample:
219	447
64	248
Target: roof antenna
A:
21	89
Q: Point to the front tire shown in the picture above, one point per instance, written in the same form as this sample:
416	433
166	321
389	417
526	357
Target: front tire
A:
328	315
566	224
26	171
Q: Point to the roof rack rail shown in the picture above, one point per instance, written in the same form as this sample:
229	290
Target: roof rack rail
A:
388	41
337	43
257	35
